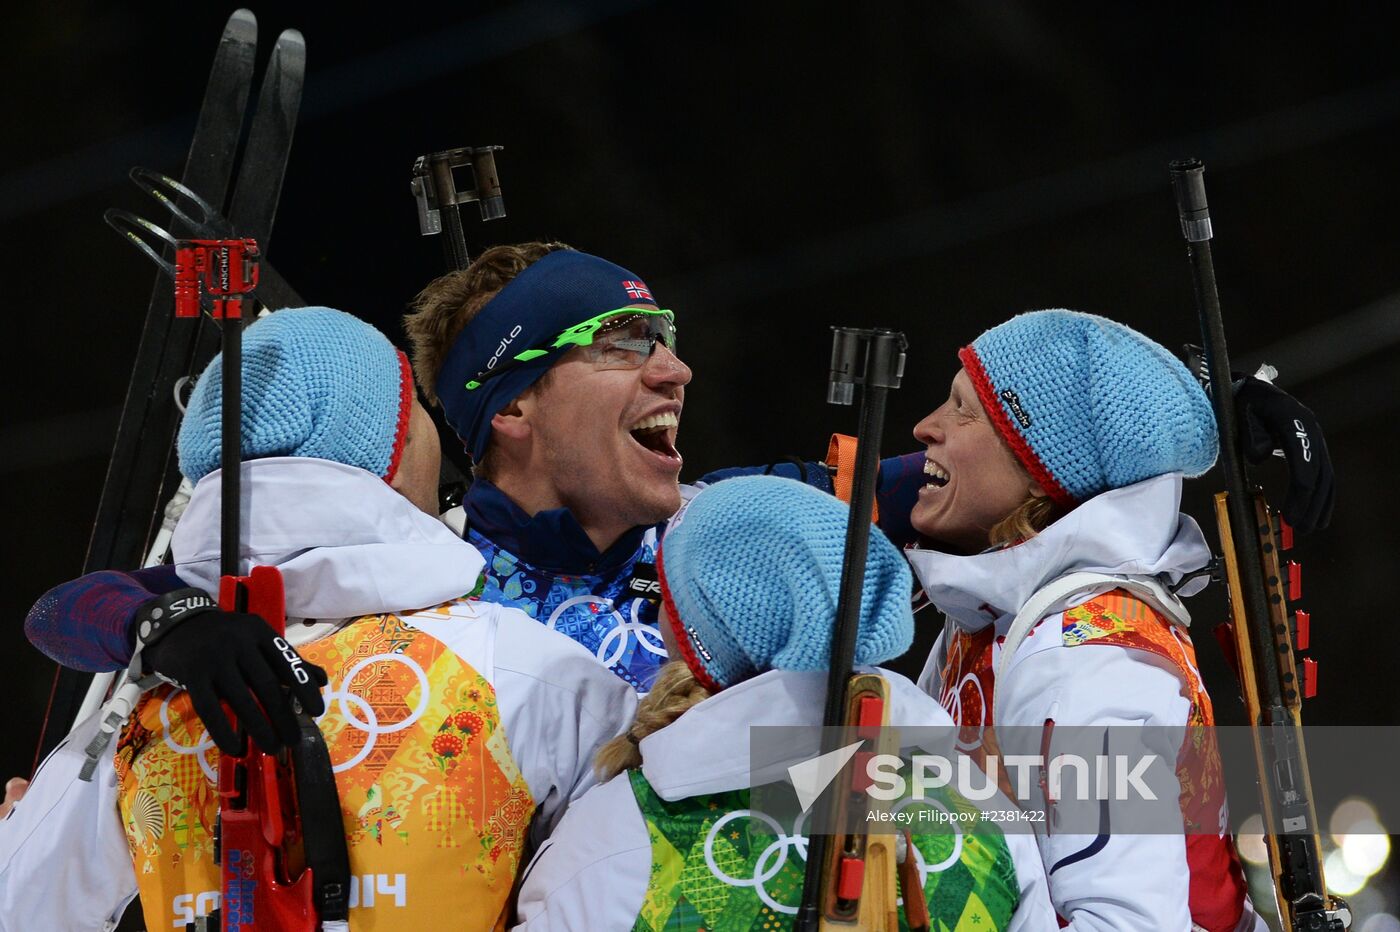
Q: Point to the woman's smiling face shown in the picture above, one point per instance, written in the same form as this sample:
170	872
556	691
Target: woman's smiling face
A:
972	480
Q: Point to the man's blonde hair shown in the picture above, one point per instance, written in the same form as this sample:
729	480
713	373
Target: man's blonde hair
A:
445	307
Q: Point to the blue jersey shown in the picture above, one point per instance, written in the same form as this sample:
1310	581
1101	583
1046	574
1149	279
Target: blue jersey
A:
597	611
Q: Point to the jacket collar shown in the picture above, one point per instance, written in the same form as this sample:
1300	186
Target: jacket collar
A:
1137	530
346	543
551	540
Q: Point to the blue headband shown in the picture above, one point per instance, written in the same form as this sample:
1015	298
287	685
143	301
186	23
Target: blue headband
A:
550	296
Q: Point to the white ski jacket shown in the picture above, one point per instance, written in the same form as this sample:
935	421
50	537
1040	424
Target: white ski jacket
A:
349	546
595	871
1114	882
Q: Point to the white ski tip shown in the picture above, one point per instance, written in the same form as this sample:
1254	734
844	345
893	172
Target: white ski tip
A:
811	777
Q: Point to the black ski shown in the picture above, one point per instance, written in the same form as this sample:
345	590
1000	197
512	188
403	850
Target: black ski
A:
131	494
253	203
142	473
259	186
137	473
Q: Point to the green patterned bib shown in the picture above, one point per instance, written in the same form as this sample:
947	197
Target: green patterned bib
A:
709	871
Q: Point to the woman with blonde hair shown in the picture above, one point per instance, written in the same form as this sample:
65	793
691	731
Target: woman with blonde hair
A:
750	573
1053	478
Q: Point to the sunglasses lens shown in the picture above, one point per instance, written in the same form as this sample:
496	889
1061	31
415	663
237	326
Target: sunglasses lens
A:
628	341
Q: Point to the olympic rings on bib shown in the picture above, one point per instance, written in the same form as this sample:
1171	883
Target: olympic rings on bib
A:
370	725
614	644
199	749
777	852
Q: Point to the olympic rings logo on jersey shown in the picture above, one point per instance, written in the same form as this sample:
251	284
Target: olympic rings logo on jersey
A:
951	698
341	695
763	870
200	749
773	858
614	644
370	726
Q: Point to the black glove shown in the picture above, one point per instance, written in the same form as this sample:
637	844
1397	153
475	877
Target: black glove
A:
1272	419
238	658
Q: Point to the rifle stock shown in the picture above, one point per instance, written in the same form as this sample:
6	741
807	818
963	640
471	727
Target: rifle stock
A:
271	880
871	901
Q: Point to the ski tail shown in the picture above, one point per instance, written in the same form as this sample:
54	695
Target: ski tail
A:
259	186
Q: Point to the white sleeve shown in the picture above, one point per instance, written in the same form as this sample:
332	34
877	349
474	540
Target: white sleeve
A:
592	873
559	706
64	862
1109	881
1034	912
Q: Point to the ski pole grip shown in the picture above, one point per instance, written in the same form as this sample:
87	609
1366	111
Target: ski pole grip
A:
1189	185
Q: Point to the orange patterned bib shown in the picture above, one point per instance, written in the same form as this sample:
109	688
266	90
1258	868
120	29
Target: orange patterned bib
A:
434	806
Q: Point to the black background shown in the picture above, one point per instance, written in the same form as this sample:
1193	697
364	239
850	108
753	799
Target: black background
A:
770	169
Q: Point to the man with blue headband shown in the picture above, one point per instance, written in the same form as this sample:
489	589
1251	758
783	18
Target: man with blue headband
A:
563	384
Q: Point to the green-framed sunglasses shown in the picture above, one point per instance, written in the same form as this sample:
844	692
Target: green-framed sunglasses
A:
623	338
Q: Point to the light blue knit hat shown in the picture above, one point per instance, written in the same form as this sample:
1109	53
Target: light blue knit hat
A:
750	574
1088	404
316	382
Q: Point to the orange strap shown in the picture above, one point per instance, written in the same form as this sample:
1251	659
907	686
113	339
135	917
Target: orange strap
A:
841	454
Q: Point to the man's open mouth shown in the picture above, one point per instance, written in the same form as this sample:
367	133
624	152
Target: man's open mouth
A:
658	433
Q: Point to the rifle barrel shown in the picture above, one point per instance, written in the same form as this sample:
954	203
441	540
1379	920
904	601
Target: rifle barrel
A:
1188	182
231	444
884	365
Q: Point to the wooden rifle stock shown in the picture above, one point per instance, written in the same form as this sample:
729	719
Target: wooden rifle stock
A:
861	897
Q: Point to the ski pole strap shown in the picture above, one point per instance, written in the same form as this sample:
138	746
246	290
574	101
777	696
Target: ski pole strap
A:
841	457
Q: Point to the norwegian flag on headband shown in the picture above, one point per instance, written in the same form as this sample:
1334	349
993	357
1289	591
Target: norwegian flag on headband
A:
638	291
